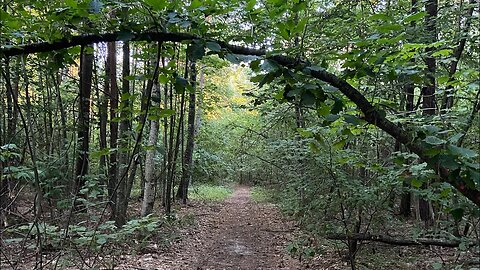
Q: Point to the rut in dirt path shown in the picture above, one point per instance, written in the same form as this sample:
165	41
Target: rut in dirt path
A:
237	234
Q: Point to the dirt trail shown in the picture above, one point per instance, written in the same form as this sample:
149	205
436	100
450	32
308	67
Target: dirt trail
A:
236	234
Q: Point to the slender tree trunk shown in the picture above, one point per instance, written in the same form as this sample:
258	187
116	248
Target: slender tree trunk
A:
111	70
83	123
103	118
30	137
12	111
121	211
167	97
5	182
429	104
187	170
406	198
56	78
149	190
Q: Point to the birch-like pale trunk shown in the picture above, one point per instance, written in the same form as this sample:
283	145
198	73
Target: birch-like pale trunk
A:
149	193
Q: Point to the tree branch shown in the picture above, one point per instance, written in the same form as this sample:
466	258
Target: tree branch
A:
372	114
399	242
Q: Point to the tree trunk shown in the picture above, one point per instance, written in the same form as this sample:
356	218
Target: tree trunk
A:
406	197
121	210
182	192
429	104
149	189
111	70
83	123
103	118
63	150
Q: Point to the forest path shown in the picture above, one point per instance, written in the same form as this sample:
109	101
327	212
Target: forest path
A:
235	234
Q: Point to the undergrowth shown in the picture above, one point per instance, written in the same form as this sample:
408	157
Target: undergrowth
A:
262	194
210	193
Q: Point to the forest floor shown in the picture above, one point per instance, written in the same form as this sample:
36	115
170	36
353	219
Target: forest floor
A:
235	234
241	233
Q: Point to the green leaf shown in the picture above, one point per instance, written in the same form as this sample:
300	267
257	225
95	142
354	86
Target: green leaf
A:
415	182
474	175
431	152
159	114
448	162
305	133
283	31
254	65
268	78
269	65
332	117
431	129
460	151
71	3
301	26
250	5
180	84
340	144
279	95
232	58
125	96
213	46
308	99
381	17
415	17
196	51
163	79
432	140
352	119
385	28
444	52
195	4
457	213
157	4
337	106
101	240
323	109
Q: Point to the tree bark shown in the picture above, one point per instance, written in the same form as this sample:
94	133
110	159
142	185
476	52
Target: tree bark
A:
56	77
111	70
149	193
122	196
103	118
428	95
83	123
409	92
182	192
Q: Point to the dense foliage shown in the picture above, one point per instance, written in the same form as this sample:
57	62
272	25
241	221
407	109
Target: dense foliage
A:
361	117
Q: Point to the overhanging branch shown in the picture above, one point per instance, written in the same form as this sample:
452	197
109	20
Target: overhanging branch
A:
372	115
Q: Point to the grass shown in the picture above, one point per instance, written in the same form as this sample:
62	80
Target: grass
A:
261	194
209	192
